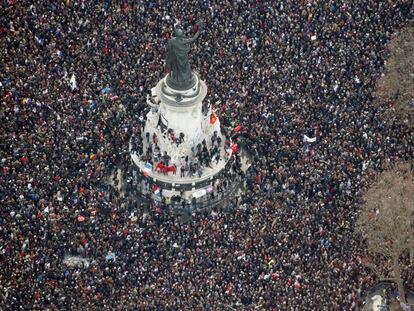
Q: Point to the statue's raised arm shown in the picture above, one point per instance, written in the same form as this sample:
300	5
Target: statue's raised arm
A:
177	61
199	30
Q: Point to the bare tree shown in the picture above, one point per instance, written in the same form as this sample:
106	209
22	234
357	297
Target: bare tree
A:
386	222
396	85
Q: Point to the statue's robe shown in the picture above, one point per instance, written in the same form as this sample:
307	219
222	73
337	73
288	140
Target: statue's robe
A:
178	63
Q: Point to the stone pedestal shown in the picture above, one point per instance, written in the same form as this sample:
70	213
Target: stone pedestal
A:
181	112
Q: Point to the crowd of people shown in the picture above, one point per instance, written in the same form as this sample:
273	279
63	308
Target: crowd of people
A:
296	75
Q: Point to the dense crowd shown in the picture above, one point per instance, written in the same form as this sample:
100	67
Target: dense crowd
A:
296	75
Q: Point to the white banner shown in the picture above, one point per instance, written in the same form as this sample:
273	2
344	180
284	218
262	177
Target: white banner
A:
309	139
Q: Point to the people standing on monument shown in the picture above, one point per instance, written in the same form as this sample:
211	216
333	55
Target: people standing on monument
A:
154	139
165	159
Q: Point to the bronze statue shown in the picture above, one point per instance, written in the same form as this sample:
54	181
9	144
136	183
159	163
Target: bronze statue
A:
177	62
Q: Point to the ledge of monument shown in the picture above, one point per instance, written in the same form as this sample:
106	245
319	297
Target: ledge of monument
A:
181	98
169	179
181	87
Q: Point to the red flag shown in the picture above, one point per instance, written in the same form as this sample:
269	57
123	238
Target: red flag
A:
159	167
234	147
156	189
237	128
213	118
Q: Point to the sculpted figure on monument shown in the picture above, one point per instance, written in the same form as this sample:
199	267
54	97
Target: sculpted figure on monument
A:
177	62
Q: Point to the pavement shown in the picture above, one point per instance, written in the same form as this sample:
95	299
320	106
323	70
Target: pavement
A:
375	300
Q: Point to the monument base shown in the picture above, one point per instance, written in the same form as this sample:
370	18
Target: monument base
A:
184	152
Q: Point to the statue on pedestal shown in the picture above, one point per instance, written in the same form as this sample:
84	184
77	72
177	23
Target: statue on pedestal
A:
177	62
